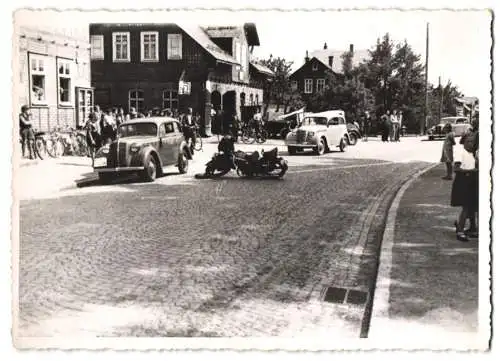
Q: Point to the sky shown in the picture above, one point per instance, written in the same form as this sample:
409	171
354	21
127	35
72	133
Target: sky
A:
459	43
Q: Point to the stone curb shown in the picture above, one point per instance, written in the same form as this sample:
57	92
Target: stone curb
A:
380	310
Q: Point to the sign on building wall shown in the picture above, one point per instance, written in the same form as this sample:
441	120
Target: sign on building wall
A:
184	87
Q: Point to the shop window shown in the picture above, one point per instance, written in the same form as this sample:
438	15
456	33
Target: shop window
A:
97	47
174	46
64	73
121	47
136	100
38	76
170	99
149	46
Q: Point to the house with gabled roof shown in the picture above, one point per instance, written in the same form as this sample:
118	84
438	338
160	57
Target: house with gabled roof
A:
176	66
311	77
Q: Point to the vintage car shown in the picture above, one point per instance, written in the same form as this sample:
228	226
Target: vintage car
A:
283	124
144	146
459	125
320	132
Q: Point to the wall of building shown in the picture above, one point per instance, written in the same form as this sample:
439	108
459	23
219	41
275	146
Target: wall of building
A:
307	72
31	43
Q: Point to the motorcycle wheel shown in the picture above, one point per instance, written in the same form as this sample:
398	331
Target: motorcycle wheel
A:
215	173
280	169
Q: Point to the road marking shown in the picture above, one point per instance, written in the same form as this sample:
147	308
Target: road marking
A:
380	310
342	167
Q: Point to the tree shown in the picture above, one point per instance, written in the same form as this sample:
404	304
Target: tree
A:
278	90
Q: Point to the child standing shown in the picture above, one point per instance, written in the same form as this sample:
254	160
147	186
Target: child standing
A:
447	152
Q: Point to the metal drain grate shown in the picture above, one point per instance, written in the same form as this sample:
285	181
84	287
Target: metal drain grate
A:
344	295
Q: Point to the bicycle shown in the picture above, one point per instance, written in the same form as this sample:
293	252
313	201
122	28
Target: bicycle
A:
54	143
250	135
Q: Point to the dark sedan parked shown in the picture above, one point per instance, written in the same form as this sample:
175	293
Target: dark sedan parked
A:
144	146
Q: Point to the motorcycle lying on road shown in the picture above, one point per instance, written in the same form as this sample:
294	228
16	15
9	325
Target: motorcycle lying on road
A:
247	164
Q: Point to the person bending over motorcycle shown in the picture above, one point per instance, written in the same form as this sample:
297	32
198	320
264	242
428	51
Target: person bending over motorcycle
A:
226	146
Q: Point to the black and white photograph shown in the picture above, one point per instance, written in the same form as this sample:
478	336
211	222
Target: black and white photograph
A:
251	179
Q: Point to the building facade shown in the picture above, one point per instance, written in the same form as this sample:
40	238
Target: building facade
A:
53	78
312	76
147	66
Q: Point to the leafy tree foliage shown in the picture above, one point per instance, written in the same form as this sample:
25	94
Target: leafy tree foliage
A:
278	90
392	78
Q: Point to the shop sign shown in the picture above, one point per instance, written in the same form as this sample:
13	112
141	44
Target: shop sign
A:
184	87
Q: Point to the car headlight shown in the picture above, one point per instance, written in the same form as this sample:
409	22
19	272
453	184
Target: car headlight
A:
134	148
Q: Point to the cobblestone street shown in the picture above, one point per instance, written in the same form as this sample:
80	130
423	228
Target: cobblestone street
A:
226	257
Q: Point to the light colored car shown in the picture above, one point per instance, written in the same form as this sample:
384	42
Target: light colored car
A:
144	146
320	132
459	126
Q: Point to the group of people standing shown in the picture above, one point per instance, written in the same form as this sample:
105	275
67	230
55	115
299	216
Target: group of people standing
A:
391	125
465	186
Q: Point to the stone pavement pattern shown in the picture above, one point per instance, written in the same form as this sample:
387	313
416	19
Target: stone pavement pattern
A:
184	257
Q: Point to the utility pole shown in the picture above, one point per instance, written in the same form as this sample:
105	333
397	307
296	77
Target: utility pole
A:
440	99
423	123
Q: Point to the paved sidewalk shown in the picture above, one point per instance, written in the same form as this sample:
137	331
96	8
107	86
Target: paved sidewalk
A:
427	288
37	178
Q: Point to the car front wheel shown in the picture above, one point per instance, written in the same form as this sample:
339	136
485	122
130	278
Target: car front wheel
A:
320	149
342	144
149	172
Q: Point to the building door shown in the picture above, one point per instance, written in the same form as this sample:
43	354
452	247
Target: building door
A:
228	109
216	100
84	105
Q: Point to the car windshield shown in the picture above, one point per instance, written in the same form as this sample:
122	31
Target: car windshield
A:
133	129
315	121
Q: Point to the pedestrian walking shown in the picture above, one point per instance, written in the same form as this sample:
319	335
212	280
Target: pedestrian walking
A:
27	133
447	151
93	132
236	127
385	122
399	125
465	188
108	130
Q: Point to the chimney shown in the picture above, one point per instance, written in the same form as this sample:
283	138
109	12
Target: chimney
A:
351	48
307	56
325	46
330	61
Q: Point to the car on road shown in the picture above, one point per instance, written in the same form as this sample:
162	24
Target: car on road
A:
320	132
459	126
144	146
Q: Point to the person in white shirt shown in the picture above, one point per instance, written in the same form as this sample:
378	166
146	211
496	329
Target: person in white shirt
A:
394	125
